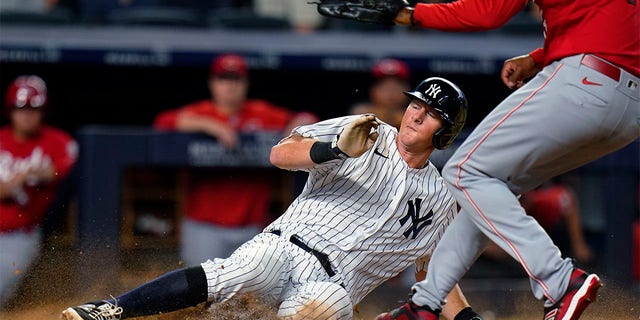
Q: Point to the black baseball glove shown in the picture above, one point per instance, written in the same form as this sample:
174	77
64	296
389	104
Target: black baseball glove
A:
371	11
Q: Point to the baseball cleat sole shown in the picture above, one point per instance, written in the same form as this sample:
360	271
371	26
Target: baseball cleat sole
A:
587	293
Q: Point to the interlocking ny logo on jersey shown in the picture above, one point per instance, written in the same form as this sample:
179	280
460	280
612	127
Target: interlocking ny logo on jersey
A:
433	90
417	223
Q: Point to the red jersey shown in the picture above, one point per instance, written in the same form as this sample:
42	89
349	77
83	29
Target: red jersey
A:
27	207
238	196
549	205
606	28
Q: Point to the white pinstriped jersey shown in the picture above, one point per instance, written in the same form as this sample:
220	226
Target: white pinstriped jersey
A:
373	215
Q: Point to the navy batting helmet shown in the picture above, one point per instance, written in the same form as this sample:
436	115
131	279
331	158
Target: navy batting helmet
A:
449	101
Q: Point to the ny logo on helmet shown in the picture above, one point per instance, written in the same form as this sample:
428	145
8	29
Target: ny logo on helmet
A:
433	90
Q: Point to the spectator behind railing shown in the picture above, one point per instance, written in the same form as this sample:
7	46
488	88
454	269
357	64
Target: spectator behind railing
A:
386	99
214	225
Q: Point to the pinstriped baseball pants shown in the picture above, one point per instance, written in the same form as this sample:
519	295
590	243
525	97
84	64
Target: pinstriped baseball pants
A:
282	274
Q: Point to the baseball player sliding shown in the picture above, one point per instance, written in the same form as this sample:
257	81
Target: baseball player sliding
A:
373	205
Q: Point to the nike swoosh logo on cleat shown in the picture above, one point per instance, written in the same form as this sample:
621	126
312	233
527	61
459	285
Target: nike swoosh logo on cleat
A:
380	154
587	82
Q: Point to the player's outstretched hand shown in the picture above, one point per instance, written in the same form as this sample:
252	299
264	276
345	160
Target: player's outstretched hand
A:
356	138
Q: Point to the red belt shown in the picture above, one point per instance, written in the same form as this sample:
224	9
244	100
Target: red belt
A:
601	66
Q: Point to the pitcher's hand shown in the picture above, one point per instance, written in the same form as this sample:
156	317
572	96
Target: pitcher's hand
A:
516	70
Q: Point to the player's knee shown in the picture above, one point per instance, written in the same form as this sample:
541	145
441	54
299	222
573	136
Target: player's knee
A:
321	300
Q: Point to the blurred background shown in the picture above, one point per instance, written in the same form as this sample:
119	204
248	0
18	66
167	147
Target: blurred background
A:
112	66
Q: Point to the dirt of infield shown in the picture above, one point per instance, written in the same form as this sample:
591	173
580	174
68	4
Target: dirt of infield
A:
47	289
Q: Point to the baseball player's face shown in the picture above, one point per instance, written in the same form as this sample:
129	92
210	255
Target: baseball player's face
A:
229	91
419	123
387	93
26	121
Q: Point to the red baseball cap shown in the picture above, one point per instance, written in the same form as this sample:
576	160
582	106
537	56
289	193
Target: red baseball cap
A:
230	65
28	91
391	68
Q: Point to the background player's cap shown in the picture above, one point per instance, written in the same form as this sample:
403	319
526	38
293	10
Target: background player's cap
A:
229	65
26	91
391	68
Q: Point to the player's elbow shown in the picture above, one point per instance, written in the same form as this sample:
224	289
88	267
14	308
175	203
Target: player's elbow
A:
292	153
277	157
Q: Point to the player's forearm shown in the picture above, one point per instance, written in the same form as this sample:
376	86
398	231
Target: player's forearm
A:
457	307
42	175
579	246
6	191
7	188
193	123
226	135
455	302
292	153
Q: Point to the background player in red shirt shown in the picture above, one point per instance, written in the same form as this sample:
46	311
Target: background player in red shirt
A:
33	158
555	206
582	103
223	210
390	79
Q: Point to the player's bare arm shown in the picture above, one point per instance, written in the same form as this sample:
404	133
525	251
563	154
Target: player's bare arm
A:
7	187
194	123
292	153
456	302
517	69
42	174
296	152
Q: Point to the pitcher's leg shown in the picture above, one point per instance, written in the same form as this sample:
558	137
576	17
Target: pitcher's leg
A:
544	129
496	211
461	244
